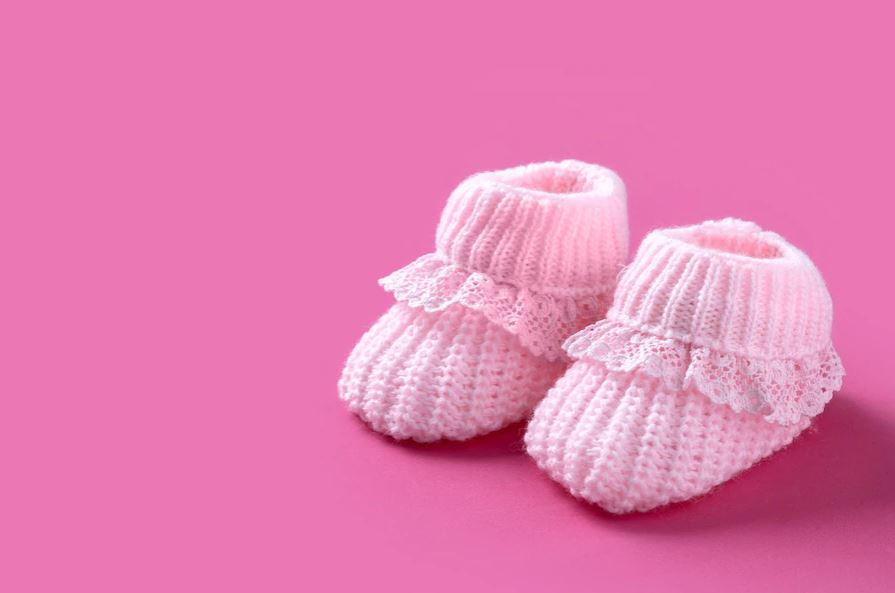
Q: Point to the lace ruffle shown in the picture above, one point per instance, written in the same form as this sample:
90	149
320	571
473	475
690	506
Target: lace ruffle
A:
782	390
540	321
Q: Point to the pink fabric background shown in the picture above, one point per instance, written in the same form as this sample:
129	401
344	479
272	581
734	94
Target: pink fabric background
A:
197	198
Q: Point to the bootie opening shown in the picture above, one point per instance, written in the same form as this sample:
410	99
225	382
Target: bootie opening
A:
563	180
731	237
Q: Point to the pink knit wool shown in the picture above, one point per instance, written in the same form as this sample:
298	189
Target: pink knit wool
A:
524	257
715	353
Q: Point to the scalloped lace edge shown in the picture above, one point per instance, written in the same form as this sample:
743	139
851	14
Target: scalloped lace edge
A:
782	390
540	321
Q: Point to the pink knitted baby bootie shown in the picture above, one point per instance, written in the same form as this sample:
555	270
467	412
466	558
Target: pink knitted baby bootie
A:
715	353
524	257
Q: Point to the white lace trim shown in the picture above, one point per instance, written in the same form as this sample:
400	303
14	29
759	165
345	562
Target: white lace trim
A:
782	390
540	321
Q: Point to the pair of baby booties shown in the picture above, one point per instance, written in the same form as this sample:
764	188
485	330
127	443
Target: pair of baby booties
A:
709	352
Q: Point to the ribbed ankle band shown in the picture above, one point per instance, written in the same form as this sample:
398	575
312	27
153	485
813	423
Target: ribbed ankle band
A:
536	249
551	227
726	285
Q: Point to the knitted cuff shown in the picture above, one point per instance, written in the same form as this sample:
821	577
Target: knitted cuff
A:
536	248
736	312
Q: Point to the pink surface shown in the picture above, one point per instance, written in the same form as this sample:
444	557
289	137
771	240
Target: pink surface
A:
198	199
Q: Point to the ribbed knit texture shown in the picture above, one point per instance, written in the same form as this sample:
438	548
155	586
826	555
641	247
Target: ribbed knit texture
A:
552	228
729	286
524	257
715	353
